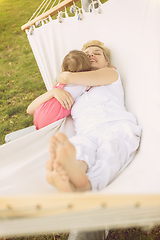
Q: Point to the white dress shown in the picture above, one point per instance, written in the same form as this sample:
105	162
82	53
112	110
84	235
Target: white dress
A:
107	135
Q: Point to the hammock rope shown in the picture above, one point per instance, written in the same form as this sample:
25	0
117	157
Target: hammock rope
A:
41	9
48	12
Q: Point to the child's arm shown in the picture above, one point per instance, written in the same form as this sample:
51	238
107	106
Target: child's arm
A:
64	97
39	100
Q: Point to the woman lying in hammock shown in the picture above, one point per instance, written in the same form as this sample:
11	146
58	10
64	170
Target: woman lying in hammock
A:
52	106
107	135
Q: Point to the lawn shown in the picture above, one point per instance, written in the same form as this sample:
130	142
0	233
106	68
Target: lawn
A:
20	79
21	83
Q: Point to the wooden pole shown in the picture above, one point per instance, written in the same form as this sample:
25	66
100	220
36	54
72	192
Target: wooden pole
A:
28	206
51	12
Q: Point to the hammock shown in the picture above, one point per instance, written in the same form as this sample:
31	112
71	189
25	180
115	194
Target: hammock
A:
27	203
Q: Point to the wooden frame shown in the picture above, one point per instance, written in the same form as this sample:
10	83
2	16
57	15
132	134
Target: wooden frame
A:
33	206
80	211
51	12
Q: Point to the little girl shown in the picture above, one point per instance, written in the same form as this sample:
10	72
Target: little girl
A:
49	107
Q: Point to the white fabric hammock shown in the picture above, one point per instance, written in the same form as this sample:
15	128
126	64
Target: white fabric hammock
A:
131	30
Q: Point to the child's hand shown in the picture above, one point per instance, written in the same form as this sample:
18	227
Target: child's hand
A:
64	97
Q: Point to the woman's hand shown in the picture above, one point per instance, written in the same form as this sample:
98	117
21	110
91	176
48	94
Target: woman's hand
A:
62	77
64	97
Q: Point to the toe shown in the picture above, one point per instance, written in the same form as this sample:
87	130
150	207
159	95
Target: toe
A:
52	154
61	137
65	143
49	165
53	143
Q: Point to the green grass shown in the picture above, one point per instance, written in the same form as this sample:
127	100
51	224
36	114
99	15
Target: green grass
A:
21	83
121	234
20	79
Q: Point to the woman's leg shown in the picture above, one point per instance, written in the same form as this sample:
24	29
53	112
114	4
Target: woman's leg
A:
117	146
64	165
58	177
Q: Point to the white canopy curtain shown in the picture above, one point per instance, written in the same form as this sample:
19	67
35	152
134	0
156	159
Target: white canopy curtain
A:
27	203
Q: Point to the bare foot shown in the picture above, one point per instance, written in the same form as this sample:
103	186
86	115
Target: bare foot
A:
66	157
58	178
52	147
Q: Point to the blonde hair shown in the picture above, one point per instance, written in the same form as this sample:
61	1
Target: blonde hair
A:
76	61
96	43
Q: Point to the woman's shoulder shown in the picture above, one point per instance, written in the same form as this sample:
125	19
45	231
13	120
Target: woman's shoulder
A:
117	73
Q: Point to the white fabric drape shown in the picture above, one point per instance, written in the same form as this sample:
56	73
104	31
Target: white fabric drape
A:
131	30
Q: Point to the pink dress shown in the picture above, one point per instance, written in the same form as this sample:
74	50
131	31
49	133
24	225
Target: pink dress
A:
50	111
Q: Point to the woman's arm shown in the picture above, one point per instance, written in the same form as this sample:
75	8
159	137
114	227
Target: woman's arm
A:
64	97
103	76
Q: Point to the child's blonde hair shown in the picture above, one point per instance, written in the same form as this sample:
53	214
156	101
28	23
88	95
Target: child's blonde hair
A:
96	43
76	61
